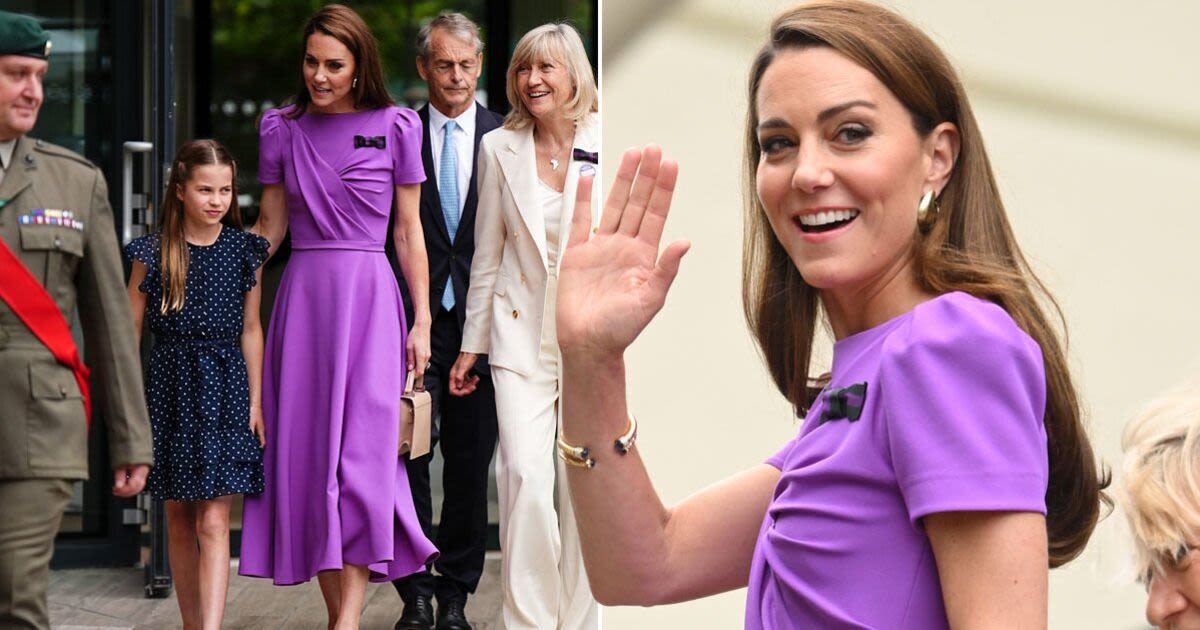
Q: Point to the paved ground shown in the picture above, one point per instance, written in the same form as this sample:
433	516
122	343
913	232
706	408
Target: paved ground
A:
113	599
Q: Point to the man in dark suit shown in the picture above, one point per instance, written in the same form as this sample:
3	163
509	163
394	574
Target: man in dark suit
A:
449	59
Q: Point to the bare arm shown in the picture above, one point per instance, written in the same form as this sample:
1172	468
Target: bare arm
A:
252	350
272	221
611	285
636	550
137	299
414	263
992	567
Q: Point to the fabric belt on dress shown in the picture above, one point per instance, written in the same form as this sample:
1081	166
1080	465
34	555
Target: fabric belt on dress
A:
362	246
164	340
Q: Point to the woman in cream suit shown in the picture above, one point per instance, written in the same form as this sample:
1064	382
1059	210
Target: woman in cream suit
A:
528	171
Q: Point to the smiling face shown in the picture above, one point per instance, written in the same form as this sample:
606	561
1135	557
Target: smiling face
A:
206	195
329	74
20	94
544	86
451	70
1174	600
842	169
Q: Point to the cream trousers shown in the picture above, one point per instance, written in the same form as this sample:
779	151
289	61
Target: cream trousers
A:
545	585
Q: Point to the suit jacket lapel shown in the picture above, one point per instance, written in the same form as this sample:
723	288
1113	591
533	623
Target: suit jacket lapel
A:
483	124
470	203
429	189
517	161
16	176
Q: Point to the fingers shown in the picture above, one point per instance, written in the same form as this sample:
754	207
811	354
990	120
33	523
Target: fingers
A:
129	480
456	378
618	194
581	220
120	478
651	229
667	268
643	188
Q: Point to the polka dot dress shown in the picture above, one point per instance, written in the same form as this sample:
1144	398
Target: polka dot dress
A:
196	387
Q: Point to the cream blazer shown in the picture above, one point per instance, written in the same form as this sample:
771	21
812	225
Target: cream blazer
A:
507	294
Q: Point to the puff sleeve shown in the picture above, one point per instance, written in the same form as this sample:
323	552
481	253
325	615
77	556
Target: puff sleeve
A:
144	249
406	147
254	254
964	393
272	141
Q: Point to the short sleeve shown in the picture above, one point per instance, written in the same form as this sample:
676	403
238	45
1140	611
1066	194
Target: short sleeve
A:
964	393
144	249
254	254
272	137
779	459
406	148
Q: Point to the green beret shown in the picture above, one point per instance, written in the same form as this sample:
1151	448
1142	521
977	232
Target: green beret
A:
22	35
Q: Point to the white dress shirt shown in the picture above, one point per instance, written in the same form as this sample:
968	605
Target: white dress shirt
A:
464	143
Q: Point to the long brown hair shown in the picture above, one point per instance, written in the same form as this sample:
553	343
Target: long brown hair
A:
343	24
970	248
173	251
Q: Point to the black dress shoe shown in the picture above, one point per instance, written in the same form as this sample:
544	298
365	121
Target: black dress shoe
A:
417	615
452	615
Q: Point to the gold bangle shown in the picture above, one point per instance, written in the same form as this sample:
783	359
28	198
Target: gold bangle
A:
580	456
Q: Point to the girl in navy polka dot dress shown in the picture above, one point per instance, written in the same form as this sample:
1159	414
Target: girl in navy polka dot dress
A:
196	283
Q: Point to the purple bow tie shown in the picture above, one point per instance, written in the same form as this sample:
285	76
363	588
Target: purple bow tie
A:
579	155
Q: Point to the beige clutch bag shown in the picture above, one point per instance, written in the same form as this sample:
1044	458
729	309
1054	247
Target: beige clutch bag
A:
416	418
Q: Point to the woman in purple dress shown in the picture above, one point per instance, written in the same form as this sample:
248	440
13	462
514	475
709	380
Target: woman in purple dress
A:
337	502
943	465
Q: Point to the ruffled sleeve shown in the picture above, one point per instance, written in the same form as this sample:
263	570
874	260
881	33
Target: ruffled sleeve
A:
964	393
254	254
272	141
406	148
144	249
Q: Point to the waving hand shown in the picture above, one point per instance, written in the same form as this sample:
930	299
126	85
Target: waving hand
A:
612	282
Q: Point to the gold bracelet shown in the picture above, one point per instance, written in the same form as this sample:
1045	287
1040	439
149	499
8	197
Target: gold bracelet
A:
580	456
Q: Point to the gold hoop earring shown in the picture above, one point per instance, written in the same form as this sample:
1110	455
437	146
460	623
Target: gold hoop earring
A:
927	210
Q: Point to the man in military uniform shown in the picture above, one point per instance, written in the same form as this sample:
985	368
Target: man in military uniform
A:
58	250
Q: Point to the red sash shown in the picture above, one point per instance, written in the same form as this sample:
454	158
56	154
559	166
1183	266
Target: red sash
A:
31	303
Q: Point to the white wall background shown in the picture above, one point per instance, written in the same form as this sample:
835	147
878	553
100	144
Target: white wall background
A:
1091	113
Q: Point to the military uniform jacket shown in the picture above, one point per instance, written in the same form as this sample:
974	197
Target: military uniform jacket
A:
56	218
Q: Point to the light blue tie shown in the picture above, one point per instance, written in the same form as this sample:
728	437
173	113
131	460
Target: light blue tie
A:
448	195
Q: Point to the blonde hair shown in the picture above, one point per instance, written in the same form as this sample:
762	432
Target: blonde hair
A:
1161	486
553	42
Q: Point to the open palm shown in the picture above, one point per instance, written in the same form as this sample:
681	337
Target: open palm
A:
613	282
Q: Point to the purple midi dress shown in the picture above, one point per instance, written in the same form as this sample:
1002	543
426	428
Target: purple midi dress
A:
336	492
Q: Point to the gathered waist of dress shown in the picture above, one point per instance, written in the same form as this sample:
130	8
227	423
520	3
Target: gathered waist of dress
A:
362	246
171	340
